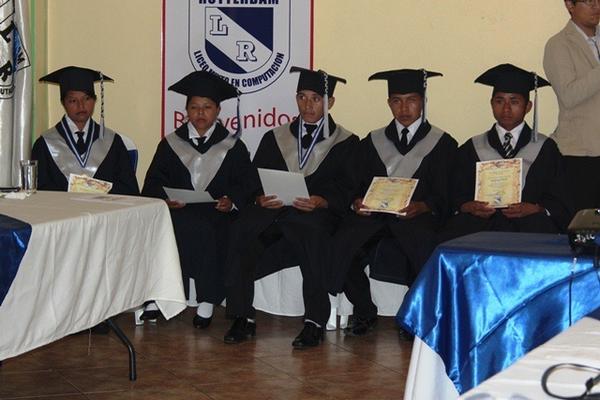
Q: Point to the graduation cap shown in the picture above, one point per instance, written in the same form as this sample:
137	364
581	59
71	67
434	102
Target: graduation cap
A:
208	84
509	78
403	81
316	81
75	78
82	80
320	82
205	84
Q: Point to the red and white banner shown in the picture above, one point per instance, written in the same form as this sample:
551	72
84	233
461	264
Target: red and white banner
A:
250	43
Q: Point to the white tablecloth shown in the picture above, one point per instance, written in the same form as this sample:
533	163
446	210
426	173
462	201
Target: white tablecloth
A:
579	344
427	377
88	259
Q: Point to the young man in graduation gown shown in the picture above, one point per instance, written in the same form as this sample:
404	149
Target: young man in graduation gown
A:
315	146
542	207
202	155
408	147
79	145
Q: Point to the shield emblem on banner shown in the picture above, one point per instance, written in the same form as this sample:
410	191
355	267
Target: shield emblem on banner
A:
246	44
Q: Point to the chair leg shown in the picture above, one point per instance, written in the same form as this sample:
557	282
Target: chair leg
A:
130	349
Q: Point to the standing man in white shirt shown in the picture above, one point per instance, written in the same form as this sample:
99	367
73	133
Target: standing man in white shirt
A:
572	65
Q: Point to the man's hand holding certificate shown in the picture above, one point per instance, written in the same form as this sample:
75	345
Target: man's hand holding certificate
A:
283	188
498	182
389	195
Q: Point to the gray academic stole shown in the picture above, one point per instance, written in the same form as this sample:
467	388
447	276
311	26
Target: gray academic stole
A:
288	146
68	162
404	166
202	167
529	152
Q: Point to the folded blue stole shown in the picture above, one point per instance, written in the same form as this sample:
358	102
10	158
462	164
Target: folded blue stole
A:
484	300
14	237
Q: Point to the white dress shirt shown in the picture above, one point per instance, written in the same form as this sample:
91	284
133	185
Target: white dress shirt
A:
412	129
516	132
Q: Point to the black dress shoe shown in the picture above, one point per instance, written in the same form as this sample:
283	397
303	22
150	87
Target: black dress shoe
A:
240	331
150	315
310	336
361	326
405	336
201	322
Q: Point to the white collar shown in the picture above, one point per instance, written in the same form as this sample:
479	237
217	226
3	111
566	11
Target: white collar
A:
585	36
194	135
516	133
311	123
73	127
412	129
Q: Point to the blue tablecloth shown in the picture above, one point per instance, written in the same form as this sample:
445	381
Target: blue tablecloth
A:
484	300
14	237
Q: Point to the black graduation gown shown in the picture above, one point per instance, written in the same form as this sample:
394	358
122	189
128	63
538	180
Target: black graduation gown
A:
544	186
405	243
201	231
116	167
295	237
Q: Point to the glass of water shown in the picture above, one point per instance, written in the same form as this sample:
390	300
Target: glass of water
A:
29	175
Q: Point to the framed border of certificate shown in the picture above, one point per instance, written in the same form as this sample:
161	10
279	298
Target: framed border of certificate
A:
389	194
499	182
85	184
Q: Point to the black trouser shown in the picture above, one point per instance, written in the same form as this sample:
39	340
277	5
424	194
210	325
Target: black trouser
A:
583	182
358	234
201	233
358	290
310	236
465	224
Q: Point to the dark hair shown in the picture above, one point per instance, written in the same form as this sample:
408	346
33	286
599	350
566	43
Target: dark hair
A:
92	95
525	95
189	98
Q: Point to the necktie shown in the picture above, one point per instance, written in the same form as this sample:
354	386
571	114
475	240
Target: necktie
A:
80	143
404	141
198	143
508	149
307	139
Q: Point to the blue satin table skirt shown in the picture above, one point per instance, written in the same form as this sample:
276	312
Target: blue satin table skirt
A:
14	237
484	300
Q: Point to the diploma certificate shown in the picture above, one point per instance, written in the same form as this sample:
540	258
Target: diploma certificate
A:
389	194
287	186
85	184
188	196
499	182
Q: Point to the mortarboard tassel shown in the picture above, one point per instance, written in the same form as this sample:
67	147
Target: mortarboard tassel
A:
424	116
101	105
325	106
238	131
534	135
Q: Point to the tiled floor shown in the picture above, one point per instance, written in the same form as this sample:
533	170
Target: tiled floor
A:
176	361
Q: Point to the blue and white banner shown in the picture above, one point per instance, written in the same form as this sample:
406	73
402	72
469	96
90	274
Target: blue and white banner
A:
15	89
250	43
14	238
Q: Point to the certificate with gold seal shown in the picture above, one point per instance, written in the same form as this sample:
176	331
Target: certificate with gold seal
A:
389	194
85	184
499	182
